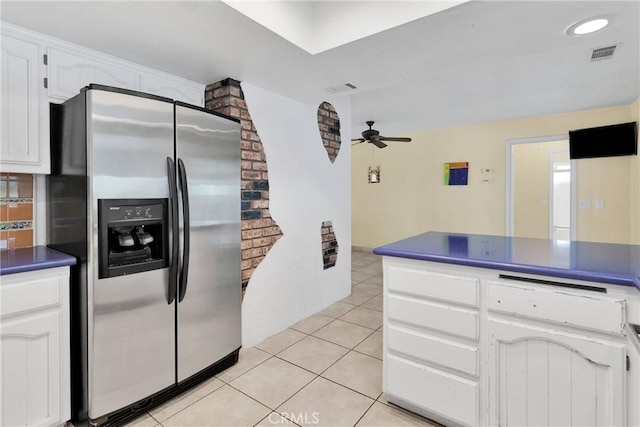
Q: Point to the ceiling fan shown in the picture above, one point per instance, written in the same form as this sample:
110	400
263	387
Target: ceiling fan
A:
374	137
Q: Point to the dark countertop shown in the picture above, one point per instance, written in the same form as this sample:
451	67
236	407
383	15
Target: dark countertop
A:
597	262
29	259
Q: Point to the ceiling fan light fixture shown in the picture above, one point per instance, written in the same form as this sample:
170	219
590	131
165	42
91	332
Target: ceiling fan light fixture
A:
587	26
372	136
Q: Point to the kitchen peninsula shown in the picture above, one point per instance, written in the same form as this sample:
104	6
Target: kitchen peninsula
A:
490	330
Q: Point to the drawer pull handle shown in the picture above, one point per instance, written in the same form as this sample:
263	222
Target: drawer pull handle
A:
552	283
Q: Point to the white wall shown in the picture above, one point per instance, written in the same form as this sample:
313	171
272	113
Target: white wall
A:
305	189
411	198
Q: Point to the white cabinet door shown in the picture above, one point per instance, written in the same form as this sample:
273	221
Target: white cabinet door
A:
31	379
20	145
68	73
173	88
548	377
34	348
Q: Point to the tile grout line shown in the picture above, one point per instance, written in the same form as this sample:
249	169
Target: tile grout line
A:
250	369
189	405
316	376
286	400
348	388
365	412
264	404
276	412
291	345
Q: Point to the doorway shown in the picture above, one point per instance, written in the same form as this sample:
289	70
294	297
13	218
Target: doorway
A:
560	197
540	188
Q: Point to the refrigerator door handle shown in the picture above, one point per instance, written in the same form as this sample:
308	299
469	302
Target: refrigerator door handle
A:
173	225
182	174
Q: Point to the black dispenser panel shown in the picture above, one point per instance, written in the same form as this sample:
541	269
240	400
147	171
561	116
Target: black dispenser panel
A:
133	236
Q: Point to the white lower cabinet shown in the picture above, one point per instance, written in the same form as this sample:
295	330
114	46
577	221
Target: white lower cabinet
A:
545	377
34	338
431	332
443	394
463	346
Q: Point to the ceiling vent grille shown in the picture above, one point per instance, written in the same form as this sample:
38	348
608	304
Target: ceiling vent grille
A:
341	88
603	53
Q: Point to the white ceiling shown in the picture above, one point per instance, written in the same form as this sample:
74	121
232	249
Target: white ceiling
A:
319	25
476	62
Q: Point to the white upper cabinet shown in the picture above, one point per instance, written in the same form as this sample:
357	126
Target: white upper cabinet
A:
66	68
20	149
172	88
69	72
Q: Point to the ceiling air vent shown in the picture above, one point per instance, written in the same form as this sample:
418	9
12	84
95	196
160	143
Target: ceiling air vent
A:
603	53
341	88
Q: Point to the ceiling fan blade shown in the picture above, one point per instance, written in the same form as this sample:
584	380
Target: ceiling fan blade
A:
378	143
358	140
395	139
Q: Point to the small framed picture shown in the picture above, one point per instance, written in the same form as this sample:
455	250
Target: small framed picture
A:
374	175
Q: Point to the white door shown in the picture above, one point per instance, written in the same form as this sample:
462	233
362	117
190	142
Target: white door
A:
539	189
552	378
560	209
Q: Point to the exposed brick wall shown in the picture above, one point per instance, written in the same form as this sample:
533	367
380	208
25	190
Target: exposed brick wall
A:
329	245
329	126
259	230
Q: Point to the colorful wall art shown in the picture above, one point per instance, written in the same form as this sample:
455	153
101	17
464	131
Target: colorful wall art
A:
456	173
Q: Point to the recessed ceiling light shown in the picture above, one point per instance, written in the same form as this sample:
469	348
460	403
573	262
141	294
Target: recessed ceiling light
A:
587	26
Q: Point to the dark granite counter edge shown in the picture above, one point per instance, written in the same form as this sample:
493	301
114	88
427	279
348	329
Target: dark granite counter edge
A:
609	278
24	260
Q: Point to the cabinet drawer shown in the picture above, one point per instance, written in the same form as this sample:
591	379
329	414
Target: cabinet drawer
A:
460	290
434	391
433	349
19	297
594	312
454	321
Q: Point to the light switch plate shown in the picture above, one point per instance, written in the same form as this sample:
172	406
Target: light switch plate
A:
585	204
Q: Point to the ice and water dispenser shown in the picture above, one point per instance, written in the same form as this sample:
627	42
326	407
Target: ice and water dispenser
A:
133	236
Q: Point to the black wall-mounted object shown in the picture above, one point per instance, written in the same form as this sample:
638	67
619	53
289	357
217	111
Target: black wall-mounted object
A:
605	141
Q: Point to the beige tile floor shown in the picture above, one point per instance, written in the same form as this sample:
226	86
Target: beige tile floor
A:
325	370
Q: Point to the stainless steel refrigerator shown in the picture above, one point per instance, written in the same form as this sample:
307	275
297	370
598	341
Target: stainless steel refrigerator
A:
145	192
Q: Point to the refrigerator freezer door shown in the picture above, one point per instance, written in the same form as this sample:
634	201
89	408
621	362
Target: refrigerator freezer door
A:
131	326
209	314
